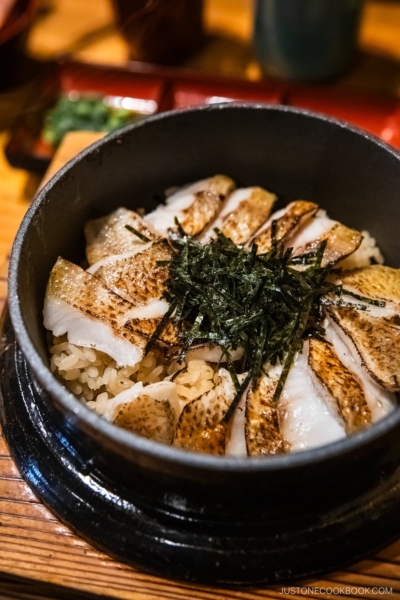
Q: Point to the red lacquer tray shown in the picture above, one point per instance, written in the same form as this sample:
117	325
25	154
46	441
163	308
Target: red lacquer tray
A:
155	89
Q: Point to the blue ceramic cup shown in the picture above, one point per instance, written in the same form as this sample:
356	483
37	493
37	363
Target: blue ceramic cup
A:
306	39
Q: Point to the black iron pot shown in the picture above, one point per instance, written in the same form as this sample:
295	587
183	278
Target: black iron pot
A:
179	514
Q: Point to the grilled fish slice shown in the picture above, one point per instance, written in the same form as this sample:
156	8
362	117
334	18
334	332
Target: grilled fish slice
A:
150	411
343	385
163	390
341	242
377	340
311	230
380	402
262	430
149	418
244	211
289	221
195	206
377	282
307	417
201	427
108	236
93	316
137	276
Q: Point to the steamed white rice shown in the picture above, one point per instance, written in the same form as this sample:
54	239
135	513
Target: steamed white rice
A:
95	378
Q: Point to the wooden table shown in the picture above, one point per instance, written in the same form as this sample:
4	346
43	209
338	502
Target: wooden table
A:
36	551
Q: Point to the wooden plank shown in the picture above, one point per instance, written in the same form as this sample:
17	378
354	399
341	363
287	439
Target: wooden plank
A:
7	469
3	447
22	510
11	489
72	144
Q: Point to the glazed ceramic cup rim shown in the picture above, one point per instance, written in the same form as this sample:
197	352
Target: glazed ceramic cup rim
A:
133	442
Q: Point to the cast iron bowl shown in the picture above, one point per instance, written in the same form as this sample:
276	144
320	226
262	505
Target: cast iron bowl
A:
180	514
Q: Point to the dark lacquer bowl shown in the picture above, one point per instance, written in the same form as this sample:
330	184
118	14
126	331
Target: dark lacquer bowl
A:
179	514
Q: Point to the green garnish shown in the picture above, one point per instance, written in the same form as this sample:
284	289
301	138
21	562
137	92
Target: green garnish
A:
266	304
137	233
83	113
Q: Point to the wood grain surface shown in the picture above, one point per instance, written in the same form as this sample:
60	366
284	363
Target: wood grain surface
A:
37	547
33	544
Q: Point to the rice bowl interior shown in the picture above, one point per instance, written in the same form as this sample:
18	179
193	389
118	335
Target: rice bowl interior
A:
115	345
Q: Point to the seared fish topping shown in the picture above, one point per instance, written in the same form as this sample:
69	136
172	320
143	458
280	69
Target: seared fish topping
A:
377	340
341	383
109	235
243	213
212	279
294	216
194	206
78	304
202	426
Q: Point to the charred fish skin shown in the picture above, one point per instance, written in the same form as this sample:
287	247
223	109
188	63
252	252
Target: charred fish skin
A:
201	426
108	235
138	277
262	430
341	243
343	385
296	214
168	338
78	304
377	340
148	417
243	213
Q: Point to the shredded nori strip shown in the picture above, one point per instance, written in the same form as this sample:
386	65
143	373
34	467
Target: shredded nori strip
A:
267	304
142	237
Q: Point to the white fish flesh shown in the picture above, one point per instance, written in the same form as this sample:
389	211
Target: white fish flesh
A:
212	354
312	230
139	278
149	411
236	438
377	340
